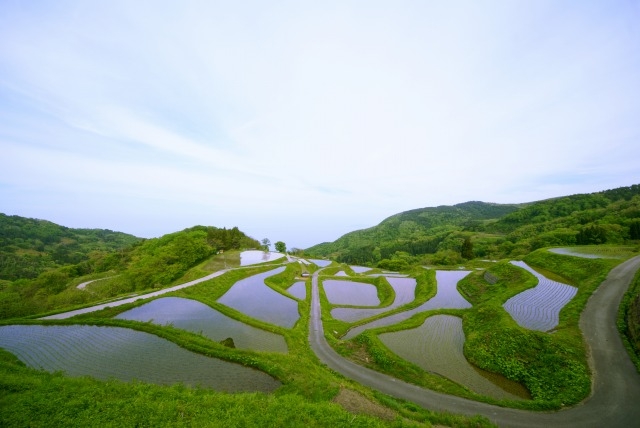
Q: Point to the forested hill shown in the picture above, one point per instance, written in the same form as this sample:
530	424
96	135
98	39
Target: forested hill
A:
493	230
29	246
129	264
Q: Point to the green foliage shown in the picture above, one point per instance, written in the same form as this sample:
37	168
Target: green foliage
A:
280	247
629	320
152	263
28	246
494	230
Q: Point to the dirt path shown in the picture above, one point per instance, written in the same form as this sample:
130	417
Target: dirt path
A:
616	386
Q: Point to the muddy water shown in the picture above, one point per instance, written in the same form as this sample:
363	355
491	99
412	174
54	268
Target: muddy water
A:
111	352
197	317
405	289
447	296
437	346
350	293
254	298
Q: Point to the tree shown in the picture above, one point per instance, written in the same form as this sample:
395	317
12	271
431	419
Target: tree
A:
266	244
281	247
467	249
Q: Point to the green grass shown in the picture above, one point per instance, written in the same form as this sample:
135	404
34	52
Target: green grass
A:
29	397
629	320
553	367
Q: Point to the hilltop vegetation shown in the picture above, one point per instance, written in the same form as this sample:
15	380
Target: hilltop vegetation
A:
29	246
142	265
449	234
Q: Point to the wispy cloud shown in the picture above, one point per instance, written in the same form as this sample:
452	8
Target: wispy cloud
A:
306	120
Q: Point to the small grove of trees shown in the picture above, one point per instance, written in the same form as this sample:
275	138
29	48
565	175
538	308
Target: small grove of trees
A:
281	247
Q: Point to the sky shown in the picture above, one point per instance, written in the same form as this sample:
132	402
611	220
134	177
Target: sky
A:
301	121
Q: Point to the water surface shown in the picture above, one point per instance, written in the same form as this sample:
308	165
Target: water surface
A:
350	293
125	354
447	297
197	317
254	298
405	289
298	290
538	308
437	346
252	257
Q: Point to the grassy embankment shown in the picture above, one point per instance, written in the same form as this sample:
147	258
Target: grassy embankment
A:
425	290
552	367
629	320
307	391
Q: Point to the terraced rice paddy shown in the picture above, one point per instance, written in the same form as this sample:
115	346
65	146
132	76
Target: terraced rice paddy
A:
405	289
341	273
111	352
320	263
197	317
580	253
360	269
447	297
252	257
437	346
298	290
539	308
350	293
254	298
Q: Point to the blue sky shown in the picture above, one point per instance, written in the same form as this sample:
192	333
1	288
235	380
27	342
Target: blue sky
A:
301	121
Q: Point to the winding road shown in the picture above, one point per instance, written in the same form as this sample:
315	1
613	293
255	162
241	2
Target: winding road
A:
616	382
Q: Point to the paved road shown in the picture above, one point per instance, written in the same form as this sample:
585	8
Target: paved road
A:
616	386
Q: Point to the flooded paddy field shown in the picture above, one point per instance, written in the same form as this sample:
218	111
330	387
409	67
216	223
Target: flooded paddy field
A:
539	308
254	298
125	354
197	317
437	346
298	290
360	269
253	257
447	297
405	289
320	263
350	293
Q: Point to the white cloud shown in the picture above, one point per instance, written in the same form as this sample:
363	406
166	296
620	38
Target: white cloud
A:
303	118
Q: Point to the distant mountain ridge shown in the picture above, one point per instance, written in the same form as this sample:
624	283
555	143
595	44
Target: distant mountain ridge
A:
496	230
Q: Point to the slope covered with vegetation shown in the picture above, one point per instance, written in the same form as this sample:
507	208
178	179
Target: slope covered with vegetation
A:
448	234
142	265
29	246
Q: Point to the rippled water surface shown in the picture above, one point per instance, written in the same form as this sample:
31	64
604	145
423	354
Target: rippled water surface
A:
437	346
197	317
112	352
539	307
254	298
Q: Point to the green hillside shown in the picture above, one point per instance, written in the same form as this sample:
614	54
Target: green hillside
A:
479	229
62	258
29	246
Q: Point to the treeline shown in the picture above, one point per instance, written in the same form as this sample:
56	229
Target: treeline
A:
147	264
492	230
29	246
